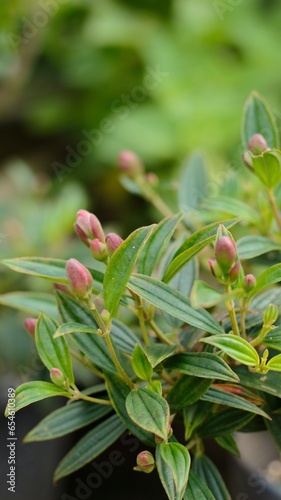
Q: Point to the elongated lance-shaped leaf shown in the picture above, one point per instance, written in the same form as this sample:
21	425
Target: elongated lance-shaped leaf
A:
156	244
269	277
175	303
121	266
252	246
177	459
90	446
269	383
73	327
207	471
30	392
165	475
30	302
150	411
275	363
193	188
228	443
67	419
156	353
227	205
219	396
54	353
235	347
118	392
224	422
140	364
192	246
186	391
197	489
51	269
203	364
258	119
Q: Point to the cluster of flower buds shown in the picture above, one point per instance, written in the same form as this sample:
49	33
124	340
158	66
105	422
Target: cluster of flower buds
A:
79	278
145	462
88	228
131	165
226	265
30	325
262	161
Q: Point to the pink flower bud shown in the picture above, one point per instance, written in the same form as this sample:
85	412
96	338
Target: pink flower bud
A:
152	178
88	226
234	272
30	325
225	253
57	377
98	250
96	228
62	288
257	145
249	282
113	241
215	269
130	164
80	233
146	462
80	279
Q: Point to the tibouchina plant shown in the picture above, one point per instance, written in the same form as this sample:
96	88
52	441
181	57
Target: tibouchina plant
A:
199	341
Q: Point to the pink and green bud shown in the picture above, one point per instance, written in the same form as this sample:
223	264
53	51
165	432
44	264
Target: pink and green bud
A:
270	315
215	269
88	227
113	241
105	316
79	278
98	250
96	228
145	462
257	145
234	272
62	288
130	164
249	282
57	377
225	253
247	159
152	178
30	325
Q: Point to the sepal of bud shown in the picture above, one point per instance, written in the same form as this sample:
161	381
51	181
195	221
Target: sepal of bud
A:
257	145
247	159
145	462
57	377
234	272
225	253
79	278
105	316
270	315
215	269
249	282
130	164
113	241
98	250
96	228
30	325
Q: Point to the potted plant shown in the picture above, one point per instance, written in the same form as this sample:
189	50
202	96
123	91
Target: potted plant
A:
167	346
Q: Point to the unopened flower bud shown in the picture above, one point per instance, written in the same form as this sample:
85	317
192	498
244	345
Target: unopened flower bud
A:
225	253
270	315
215	269
152	178
30	325
113	241
98	250
249	282
145	461
96	227
234	272
257	145
105	315
79	278
88	226
247	159
130	164
57	377
62	288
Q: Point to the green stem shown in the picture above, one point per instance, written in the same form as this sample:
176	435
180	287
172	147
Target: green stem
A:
160	334
231	312
95	400
140	309
259	339
274	207
111	349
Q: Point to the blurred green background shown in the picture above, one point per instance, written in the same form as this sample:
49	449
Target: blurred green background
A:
160	77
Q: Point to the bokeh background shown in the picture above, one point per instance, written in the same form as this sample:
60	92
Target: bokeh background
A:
161	77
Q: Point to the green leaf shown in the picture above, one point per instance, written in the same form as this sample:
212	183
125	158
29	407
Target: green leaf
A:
30	392
226	205
51	269
197	489
156	353
118	392
149	411
177	459
269	277
54	353
194	415
235	347
228	443
73	327
186	391
258	119
267	167
203	295
273	339
219	396
140	364
67	419
30	302
269	383
203	364
224	421
207	471
165	474
252	246
92	346
192	246
90	446
175	303
156	244
274	425
275	363
193	186
121	266
123	337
